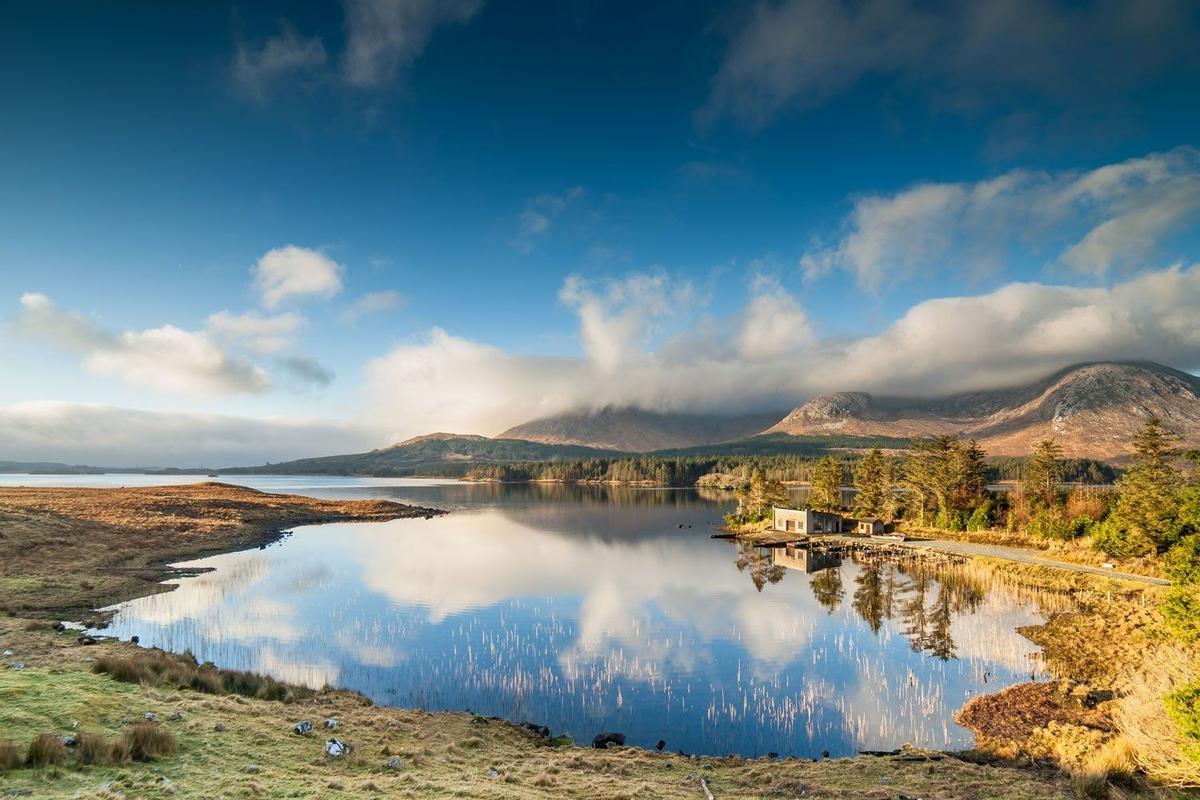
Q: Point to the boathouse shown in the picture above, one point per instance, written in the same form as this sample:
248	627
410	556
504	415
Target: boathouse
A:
871	526
804	521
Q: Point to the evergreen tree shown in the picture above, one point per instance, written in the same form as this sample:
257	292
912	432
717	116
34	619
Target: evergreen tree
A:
1145	519
873	486
758	496
826	485
1043	471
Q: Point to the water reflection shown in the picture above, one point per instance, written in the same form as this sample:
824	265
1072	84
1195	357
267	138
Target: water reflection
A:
601	610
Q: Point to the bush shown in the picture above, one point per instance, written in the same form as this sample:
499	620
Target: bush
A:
1184	707
10	755
146	741
46	750
94	749
156	668
981	518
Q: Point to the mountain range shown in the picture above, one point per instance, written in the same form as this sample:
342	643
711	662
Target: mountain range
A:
1092	410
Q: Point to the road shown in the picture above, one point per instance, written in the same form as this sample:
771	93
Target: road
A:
1017	554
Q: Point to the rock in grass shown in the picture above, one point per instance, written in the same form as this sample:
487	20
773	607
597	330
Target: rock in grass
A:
70	740
393	763
331	723
607	738
175	715
250	769
6	653
150	716
218	727
302	727
336	748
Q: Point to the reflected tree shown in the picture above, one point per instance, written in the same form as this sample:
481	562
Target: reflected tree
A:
827	588
870	597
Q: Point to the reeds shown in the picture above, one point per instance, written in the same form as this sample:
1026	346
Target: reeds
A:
1160	747
46	750
147	741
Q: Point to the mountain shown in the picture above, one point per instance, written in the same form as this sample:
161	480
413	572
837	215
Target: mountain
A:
636	431
1092	410
439	453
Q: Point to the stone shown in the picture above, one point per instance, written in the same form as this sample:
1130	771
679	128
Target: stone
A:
17	665
250	769
58	626
302	727
391	723
393	763
660	744
150	716
606	739
540	730
6	653
134	639
70	740
331	723
493	772
175	715
218	727
336	748
87	640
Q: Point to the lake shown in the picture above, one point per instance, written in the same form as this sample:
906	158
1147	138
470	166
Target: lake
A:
590	609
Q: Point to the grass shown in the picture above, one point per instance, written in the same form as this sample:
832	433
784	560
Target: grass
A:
46	750
147	741
1162	746
439	762
156	668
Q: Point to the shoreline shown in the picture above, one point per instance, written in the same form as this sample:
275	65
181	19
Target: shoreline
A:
284	511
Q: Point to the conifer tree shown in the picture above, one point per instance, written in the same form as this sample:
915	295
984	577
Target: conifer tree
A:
873	486
826	485
1043	471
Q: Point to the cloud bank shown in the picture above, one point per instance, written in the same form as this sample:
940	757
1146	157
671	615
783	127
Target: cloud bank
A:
1113	218
797	54
767	357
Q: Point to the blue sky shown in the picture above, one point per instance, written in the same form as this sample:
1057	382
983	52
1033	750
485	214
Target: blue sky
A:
485	211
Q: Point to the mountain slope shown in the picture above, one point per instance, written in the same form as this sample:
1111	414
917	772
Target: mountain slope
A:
636	431
1092	410
421	453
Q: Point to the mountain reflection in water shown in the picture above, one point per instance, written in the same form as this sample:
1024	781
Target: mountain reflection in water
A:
599	610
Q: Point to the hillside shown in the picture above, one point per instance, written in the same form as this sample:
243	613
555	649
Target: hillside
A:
637	431
1092	410
438	453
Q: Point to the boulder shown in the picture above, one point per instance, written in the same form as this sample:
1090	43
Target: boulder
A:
218	727
302	727
540	730
330	723
606	739
150	716
336	748
393	763
70	740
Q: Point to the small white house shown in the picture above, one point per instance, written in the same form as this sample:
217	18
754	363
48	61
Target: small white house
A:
871	527
805	521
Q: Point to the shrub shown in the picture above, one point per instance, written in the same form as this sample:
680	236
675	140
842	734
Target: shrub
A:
46	750
981	518
147	741
10	755
156	668
94	749
1183	706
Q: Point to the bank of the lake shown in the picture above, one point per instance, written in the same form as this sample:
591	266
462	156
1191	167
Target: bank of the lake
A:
256	752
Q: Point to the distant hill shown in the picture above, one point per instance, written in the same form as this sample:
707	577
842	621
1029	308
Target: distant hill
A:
437	453
634	430
1092	410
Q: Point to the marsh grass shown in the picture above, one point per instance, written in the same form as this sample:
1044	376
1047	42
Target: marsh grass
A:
94	749
147	741
46	750
1160	745
156	668
10	755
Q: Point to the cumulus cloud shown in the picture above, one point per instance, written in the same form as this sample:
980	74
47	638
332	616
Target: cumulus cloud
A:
797	54
767	357
291	272
166	359
257	69
256	332
81	433
1090	222
533	223
383	36
371	303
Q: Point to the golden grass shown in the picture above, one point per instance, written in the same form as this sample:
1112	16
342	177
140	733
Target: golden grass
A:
1159	746
147	741
10	755
47	749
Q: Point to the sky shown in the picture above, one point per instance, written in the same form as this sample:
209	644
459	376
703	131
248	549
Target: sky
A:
238	233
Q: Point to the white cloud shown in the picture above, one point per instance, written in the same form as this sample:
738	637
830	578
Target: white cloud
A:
256	70
1091	222
290	272
797	54
533	223
254	331
371	303
166	358
617	318
82	433
383	36
766	356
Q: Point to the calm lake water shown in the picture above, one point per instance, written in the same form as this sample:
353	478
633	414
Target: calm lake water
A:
593	609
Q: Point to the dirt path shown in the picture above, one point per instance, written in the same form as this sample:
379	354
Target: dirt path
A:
1016	554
